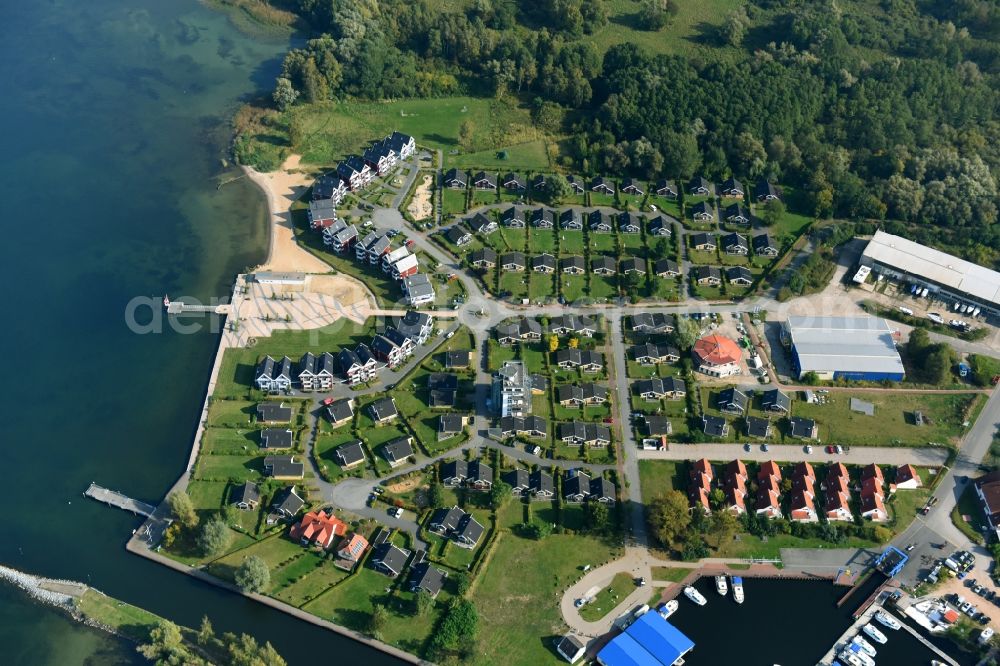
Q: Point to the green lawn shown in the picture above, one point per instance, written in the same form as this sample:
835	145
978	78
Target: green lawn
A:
608	598
275	551
571	242
513	239
207	495
231	413
542	240
750	546
633	245
573	286
311	585
603	286
514	284
223	468
541	286
672	574
522	611
530	156
452	201
333	129
659	476
969	507
231	442
603	243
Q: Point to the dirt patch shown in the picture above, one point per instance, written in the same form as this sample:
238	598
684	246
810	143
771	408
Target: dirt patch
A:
345	289
404	486
421	207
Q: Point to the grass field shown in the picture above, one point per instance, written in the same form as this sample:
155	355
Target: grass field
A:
542	240
332	129
893	423
672	574
531	155
522	610
230	442
608	598
658	476
310	585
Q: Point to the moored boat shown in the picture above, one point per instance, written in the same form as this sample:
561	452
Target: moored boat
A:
874	633
854	656
668	609
738	589
866	647
887	620
720	585
695	596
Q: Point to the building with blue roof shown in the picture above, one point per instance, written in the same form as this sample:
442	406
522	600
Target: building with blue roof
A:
649	641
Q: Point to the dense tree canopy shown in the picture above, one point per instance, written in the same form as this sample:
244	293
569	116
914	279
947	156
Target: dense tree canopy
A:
883	110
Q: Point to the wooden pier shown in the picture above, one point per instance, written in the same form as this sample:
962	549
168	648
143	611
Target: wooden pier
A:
176	307
118	500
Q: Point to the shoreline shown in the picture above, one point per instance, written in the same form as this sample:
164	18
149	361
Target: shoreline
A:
137	545
281	189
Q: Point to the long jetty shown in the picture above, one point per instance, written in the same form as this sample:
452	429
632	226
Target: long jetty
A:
177	307
118	500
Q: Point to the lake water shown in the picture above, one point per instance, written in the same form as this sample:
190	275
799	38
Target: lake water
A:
114	121
786	622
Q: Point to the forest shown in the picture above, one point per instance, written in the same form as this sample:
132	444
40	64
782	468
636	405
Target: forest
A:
878	110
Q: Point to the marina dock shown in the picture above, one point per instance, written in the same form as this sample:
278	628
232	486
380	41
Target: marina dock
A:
118	500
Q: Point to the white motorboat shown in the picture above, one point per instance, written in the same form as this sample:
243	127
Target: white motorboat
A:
854	656
887	620
721	586
695	596
874	633
866	647
738	589
668	609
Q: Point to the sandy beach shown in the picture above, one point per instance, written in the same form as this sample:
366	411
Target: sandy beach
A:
281	188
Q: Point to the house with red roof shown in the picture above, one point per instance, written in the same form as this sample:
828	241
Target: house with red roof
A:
736	499
837	506
717	356
769	469
873	508
768	503
802	507
736	468
806	484
318	528
702	467
872	471
907	477
698	497
351	550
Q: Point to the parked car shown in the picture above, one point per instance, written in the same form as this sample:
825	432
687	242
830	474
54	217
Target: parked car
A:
830	449
809	448
747	447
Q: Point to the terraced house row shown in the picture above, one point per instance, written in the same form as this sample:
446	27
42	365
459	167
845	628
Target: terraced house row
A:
516	183
319	372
